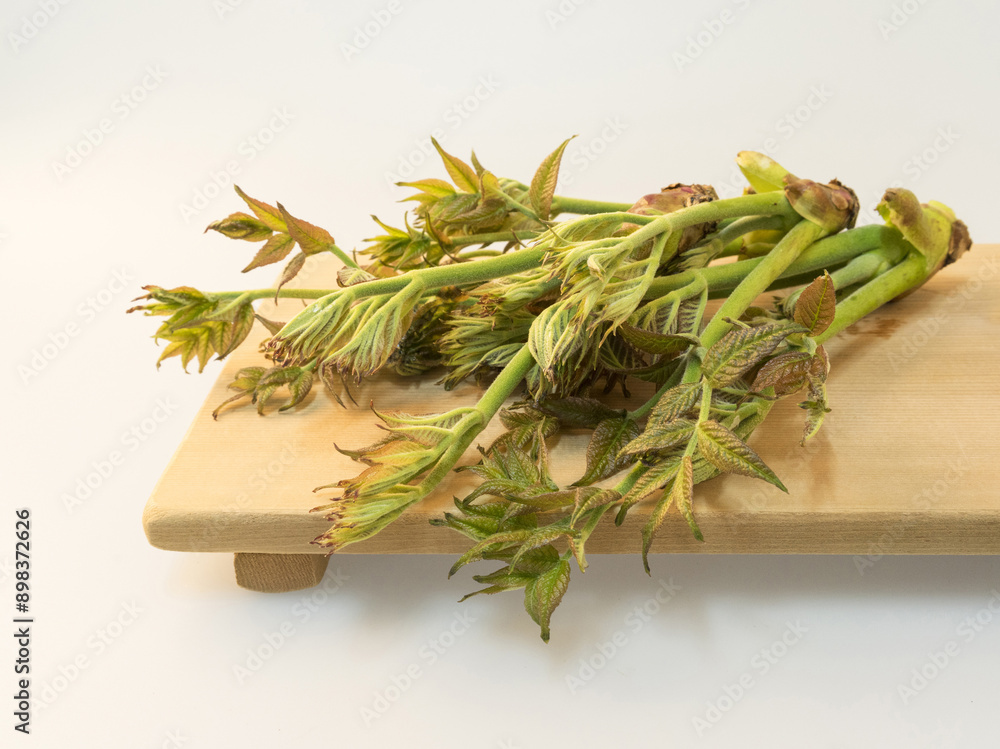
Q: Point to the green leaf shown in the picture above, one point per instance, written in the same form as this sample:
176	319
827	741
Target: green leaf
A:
505	582
245	384
476	528
660	437
540	537
816	412
299	388
311	239
272	326
786	373
436	188
742	348
291	270
680	493
684	501
348	276
578	413
241	226
268	214
657	343
463	175
535	561
543	184
589	498
603	459
476	165
543	594
276	248
237	330
491	543
653	478
730	454
817	305
547	500
816	407
674	403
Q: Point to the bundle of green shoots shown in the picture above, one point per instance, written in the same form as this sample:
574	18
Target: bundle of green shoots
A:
484	281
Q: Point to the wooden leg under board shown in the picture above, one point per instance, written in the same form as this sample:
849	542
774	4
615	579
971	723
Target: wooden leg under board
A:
278	573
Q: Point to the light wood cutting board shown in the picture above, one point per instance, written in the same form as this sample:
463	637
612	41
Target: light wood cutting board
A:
908	462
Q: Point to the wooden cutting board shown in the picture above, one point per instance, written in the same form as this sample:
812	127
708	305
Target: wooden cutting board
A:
907	462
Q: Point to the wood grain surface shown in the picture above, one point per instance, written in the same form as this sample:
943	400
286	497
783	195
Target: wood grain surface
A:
908	462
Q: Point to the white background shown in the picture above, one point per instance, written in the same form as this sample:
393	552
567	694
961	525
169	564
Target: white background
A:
873	93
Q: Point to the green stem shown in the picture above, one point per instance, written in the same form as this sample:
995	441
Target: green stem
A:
736	228
902	277
561	204
623	486
344	257
763	274
491	237
255	294
798	238
825	253
474	254
766	204
474	422
455	274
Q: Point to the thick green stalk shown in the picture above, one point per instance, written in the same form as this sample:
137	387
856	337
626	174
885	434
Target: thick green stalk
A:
756	282
908	274
767	204
561	204
491	237
738	227
825	253
473	423
861	269
455	274
530	258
